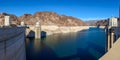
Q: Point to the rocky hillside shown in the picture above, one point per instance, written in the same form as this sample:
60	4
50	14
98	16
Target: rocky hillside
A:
91	22
103	22
46	18
51	18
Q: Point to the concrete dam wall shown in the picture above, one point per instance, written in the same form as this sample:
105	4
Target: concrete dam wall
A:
12	43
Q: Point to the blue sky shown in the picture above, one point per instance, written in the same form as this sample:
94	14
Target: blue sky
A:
83	9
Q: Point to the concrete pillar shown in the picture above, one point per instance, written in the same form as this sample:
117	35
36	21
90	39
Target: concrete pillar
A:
37	31
112	39
108	42
7	21
22	23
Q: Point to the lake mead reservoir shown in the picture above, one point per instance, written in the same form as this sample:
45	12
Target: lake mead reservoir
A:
83	45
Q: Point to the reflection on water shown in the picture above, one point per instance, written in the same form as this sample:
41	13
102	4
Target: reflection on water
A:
83	45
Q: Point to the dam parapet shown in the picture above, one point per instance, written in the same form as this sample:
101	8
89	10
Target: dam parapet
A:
12	43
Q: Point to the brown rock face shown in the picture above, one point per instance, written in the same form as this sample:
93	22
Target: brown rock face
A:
97	22
51	18
27	18
1	19
46	18
91	22
102	22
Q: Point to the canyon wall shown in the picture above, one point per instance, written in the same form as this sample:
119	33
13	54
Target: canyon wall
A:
53	29
62	29
45	18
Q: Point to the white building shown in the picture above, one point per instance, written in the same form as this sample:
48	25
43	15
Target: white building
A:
7	21
37	24
113	22
22	23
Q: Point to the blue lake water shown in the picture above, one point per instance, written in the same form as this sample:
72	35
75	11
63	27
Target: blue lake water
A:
82	45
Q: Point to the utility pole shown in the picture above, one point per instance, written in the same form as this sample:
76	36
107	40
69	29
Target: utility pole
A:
119	12
119	16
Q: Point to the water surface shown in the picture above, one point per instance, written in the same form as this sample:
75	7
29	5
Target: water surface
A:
82	45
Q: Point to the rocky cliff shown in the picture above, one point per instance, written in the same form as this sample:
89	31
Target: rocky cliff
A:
51	18
46	18
91	22
103	22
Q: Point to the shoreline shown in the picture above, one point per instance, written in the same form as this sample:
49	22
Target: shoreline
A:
54	29
62	29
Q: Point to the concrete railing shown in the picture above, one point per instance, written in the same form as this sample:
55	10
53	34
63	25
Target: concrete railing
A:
113	53
10	32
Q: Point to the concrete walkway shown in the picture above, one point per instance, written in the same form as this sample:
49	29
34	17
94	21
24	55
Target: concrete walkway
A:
113	53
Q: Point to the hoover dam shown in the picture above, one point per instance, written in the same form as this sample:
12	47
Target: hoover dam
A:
12	45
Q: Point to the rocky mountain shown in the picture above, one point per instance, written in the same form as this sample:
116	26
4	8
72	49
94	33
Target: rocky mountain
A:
51	18
103	22
46	18
91	22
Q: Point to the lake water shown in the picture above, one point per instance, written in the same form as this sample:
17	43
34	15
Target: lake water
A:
82	45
